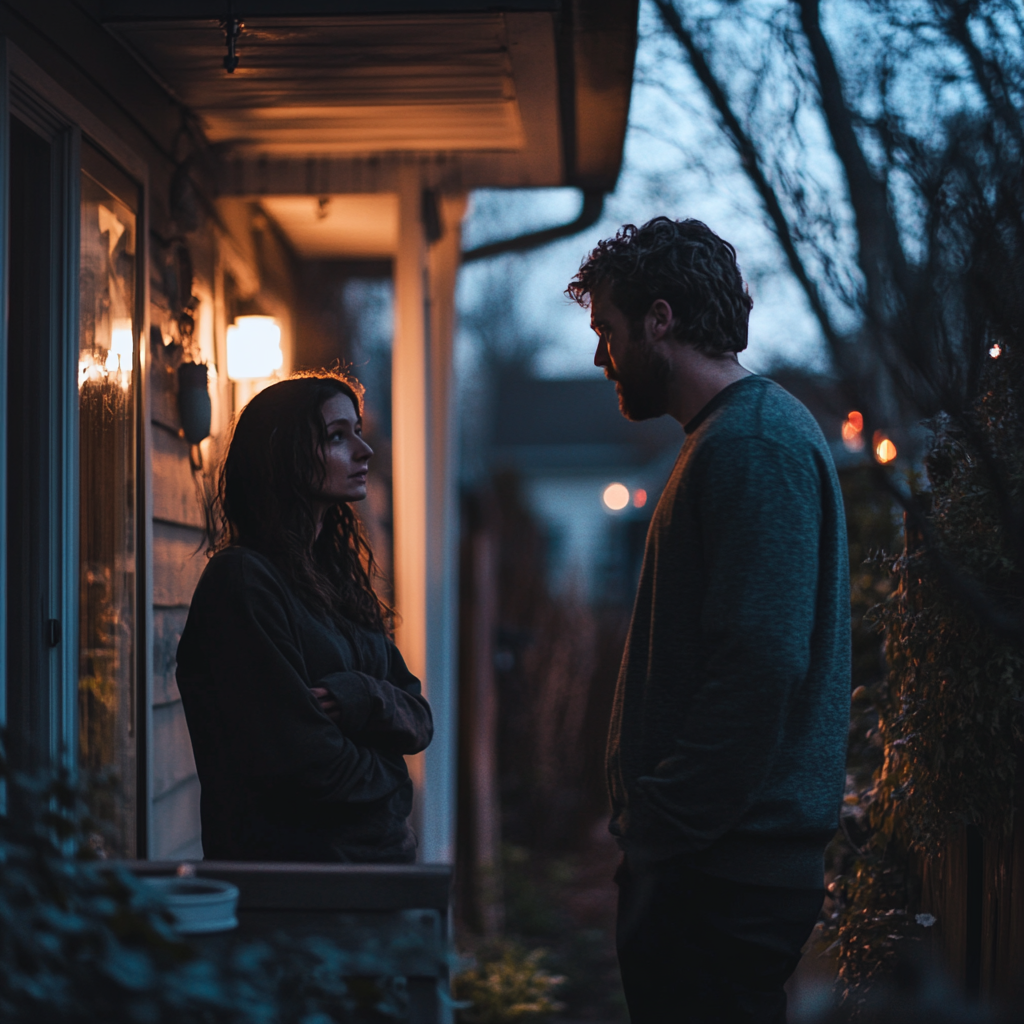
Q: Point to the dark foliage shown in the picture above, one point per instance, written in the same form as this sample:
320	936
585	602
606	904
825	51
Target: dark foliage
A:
82	941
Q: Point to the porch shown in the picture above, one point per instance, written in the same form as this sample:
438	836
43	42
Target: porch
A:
155	197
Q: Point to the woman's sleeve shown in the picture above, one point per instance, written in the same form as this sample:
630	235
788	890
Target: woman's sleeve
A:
389	714
276	730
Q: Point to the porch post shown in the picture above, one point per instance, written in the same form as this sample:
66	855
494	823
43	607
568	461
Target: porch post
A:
439	804
425	510
409	438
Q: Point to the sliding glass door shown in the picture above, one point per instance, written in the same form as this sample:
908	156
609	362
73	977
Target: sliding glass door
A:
109	709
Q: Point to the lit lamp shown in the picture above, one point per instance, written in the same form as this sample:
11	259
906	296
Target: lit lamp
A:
254	348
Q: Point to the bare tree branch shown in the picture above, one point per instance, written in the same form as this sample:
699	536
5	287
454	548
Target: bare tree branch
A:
751	162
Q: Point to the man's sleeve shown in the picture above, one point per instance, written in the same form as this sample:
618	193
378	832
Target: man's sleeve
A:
760	518
389	714
277	732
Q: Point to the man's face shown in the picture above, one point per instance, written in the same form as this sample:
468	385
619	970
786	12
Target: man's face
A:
639	367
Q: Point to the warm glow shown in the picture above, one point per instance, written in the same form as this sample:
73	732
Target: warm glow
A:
616	497
254	348
995	351
639	498
852	429
885	450
122	346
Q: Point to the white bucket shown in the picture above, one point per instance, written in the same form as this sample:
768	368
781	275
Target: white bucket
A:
199	905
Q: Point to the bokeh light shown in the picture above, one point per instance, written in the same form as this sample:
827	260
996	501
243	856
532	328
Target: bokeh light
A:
852	430
639	498
616	497
885	450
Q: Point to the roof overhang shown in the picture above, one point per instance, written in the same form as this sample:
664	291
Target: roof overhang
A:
522	93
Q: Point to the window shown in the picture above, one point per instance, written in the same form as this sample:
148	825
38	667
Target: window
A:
108	380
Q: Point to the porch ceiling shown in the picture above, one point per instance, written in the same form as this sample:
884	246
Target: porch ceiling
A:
513	93
355	85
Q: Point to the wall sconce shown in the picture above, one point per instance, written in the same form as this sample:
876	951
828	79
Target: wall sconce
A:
254	348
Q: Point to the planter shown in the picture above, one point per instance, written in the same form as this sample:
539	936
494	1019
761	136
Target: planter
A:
200	905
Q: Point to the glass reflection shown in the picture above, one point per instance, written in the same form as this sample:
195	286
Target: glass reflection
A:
106	380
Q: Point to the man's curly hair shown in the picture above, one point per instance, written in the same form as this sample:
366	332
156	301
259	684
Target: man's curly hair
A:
681	261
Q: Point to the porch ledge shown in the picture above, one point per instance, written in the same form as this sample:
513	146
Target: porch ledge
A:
320	887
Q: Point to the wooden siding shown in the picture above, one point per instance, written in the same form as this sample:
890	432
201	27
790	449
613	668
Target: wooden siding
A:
178	561
176	823
167	626
173	762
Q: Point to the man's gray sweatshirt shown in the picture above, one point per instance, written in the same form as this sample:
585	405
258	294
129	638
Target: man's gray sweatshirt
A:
728	734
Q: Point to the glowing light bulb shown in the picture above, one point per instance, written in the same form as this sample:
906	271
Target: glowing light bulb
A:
615	497
995	351
254	348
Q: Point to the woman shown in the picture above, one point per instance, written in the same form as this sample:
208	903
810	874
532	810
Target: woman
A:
299	706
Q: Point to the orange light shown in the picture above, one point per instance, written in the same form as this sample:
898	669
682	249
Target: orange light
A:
639	498
995	351
885	450
852	427
616	497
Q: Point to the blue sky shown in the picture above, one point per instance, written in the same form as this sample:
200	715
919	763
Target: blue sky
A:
675	164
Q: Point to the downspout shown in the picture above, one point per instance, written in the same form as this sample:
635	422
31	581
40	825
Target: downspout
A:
590	213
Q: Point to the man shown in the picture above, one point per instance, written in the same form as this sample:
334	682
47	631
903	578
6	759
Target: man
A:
727	743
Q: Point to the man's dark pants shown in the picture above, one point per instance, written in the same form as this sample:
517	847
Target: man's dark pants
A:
695	949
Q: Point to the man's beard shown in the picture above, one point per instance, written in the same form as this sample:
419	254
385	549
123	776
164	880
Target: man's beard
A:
642	382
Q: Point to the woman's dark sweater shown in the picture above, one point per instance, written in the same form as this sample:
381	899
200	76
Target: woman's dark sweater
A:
280	780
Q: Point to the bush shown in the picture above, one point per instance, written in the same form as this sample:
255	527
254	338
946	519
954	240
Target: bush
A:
82	941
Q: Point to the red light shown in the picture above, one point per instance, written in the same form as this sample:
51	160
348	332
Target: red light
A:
639	498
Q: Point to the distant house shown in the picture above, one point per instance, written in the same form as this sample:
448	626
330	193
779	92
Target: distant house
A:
169	170
568	443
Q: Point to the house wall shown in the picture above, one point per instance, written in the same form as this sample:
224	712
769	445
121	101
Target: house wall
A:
237	257
240	263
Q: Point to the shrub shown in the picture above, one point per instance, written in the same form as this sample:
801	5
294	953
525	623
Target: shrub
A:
507	984
82	941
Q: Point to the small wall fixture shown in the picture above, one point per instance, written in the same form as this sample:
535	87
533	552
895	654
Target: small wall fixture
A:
254	348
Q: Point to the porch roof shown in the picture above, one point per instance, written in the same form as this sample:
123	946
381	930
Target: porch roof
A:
520	93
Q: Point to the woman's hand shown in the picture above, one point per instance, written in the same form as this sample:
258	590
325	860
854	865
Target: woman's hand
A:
328	704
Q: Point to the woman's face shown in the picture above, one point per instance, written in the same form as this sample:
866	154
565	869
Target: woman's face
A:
347	455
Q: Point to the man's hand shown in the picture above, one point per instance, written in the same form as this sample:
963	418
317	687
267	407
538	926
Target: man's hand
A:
329	705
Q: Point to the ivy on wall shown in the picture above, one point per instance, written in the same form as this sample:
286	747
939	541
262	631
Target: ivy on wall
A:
948	711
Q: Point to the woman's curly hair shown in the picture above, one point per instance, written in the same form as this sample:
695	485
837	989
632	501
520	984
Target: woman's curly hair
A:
681	261
266	497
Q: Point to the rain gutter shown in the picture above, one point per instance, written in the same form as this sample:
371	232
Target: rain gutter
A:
590	213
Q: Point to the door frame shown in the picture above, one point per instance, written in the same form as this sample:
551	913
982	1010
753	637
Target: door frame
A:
32	95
